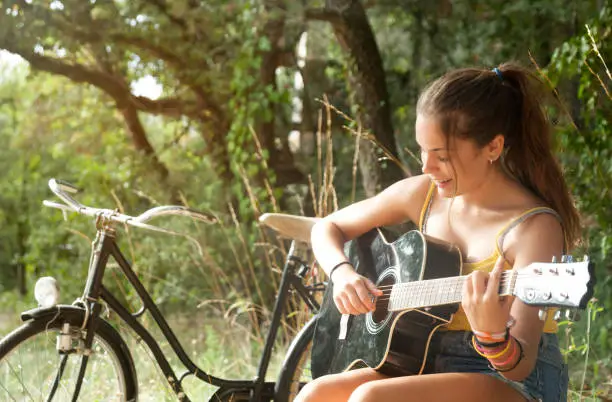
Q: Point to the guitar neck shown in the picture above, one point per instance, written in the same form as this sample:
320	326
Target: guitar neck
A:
436	292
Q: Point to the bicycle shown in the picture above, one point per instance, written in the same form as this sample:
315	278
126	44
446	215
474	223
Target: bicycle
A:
81	341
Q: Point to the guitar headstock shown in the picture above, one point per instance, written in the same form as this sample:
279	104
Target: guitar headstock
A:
567	284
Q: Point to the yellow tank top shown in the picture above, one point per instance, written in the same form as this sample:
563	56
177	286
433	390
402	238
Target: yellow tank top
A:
459	321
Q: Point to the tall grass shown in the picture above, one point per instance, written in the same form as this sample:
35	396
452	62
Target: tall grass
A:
225	334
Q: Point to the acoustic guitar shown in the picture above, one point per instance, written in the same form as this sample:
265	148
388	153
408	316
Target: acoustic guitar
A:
422	285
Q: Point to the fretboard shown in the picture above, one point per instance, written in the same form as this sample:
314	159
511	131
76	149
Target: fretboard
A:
436	292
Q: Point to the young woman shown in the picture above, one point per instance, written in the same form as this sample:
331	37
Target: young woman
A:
491	186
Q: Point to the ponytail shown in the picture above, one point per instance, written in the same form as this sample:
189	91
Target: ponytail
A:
529	156
479	104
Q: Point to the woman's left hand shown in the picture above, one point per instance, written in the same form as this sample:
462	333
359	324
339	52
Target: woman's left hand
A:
485	309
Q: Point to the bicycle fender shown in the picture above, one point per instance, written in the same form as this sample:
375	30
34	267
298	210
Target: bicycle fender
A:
51	311
295	348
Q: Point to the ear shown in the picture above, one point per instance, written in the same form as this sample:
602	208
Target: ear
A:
495	147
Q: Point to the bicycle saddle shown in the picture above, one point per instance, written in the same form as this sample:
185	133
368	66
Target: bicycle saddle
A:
291	226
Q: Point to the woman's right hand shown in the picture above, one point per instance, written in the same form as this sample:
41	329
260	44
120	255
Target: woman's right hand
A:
353	293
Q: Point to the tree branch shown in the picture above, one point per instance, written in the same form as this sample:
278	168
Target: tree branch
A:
140	140
162	7
322	14
122	94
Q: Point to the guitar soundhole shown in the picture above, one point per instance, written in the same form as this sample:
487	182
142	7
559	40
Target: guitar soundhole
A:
382	303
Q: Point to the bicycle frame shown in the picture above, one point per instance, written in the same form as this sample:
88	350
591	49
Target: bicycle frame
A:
105	247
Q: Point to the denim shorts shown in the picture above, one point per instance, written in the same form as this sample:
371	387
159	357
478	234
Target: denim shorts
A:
452	351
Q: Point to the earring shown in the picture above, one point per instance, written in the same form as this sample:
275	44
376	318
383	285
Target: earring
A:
491	161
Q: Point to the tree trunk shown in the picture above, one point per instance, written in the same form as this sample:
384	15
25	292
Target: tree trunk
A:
354	33
139	138
281	159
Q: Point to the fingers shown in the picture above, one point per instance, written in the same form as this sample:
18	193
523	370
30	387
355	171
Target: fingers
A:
365	297
355	296
485	309
358	297
372	288
340	305
468	290
467	293
507	303
494	279
479	283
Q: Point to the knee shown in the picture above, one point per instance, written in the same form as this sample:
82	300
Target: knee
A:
314	391
367	392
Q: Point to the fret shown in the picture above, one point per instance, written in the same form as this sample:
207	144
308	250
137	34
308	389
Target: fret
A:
435	292
422	294
426	293
393	298
440	291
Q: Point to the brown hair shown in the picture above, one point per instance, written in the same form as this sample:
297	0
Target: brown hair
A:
478	104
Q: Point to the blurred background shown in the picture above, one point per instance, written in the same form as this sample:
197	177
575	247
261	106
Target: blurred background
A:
241	107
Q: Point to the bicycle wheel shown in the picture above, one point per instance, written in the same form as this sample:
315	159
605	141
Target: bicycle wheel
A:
296	367
30	363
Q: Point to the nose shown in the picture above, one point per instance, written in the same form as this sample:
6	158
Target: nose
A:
429	164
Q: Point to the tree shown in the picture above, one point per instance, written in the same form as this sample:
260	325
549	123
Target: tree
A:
354	33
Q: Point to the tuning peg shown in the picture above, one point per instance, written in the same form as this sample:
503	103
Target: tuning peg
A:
557	316
554	259
543	313
564	258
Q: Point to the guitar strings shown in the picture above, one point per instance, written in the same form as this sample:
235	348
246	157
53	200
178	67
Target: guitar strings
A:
408	285
429	292
505	276
399	289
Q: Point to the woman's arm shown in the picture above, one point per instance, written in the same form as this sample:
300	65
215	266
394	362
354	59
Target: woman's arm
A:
536	240
399	202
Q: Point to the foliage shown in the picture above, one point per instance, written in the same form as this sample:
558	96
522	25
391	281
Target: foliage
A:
586	143
197	140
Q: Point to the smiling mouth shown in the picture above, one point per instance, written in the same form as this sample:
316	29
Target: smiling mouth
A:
441	181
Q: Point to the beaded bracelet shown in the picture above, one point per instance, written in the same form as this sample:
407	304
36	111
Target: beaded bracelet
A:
495	337
503	370
494	344
493	355
331	271
499	354
507	359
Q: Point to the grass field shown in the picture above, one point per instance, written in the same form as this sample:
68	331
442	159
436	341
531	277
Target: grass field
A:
223	348
228	349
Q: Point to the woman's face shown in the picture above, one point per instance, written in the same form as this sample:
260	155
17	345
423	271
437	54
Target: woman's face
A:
457	166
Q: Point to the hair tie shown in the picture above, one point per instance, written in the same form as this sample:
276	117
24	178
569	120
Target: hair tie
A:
499	74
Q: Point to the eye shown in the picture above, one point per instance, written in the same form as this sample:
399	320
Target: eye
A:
443	159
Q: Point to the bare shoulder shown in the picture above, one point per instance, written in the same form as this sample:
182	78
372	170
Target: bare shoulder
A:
538	238
409	194
398	203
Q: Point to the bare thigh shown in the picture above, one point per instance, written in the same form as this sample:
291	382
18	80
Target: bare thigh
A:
367	385
337	387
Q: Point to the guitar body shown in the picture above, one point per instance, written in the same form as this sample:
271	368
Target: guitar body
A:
394	343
